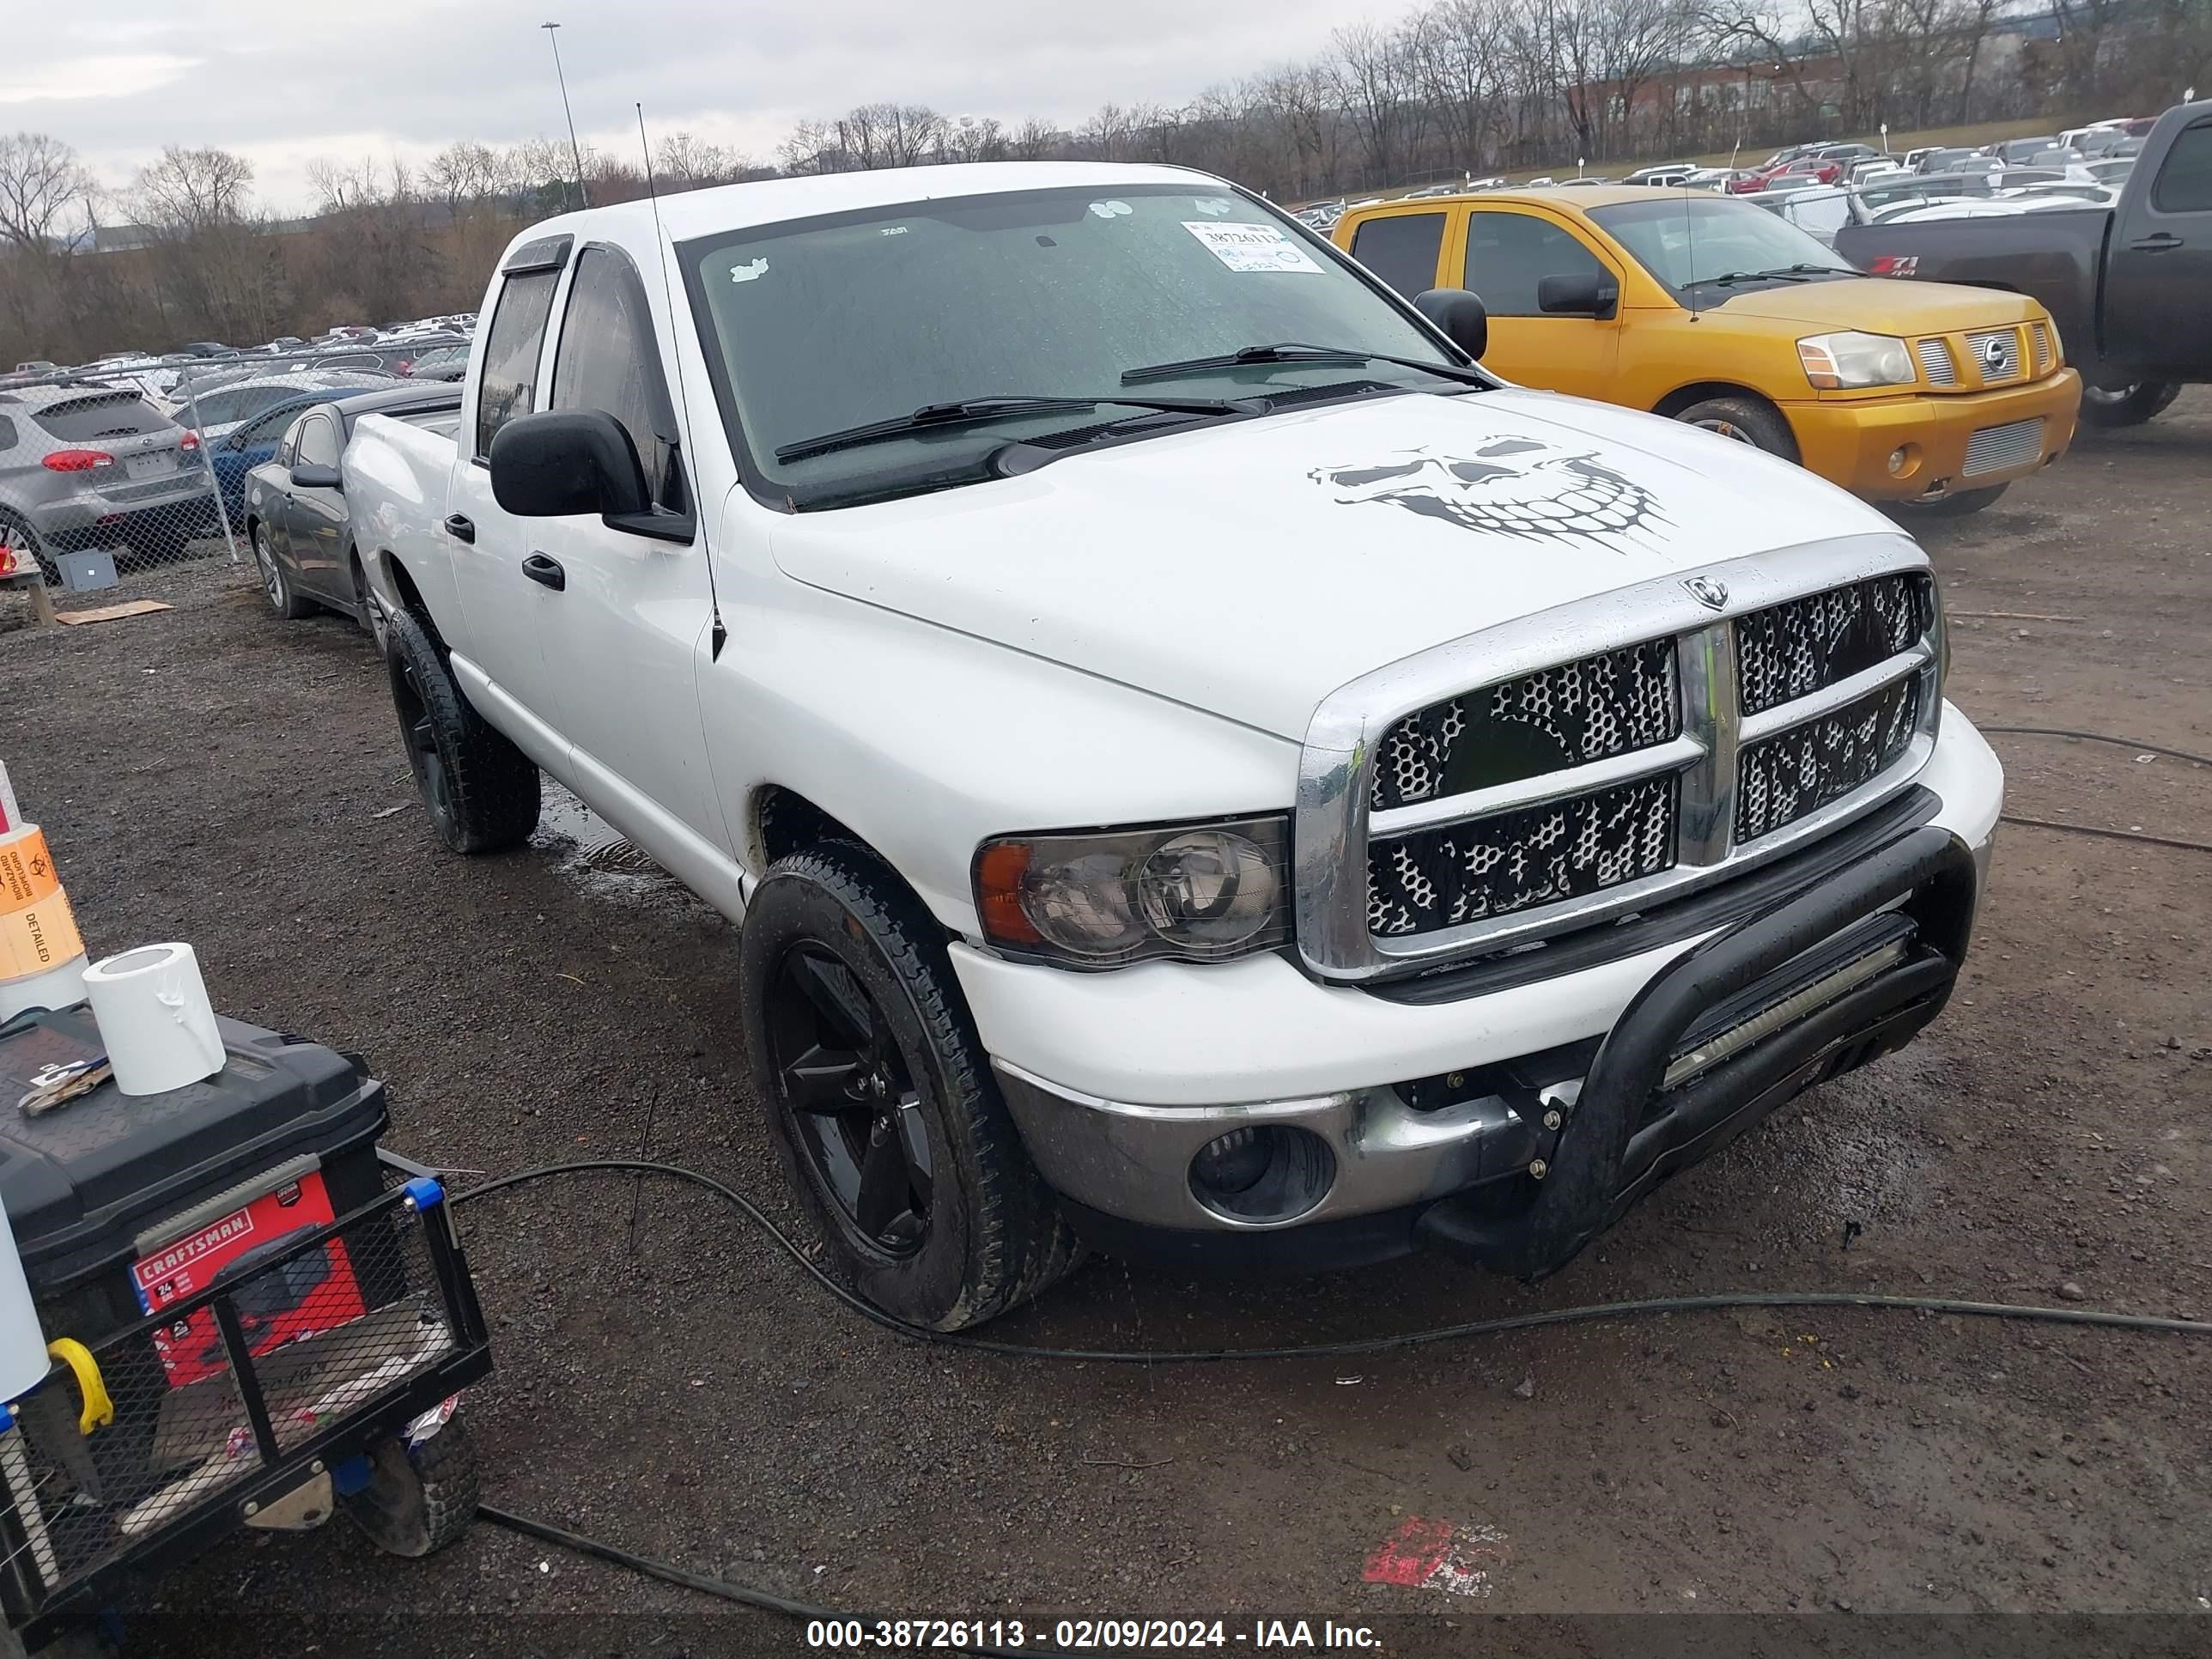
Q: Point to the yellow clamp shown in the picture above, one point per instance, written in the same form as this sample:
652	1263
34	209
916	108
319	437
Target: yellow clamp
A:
99	1411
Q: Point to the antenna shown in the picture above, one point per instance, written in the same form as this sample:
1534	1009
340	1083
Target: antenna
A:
1690	230
682	404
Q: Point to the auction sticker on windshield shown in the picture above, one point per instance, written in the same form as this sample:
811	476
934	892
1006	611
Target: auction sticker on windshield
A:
1251	247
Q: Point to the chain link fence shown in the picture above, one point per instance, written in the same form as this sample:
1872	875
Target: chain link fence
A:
130	470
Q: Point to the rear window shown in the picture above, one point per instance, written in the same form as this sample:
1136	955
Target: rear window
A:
2185	181
508	385
1402	248
106	415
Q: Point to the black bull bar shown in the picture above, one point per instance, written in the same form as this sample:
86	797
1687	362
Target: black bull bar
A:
1627	1131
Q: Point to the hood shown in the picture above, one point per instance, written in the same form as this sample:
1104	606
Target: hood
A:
1249	569
1884	306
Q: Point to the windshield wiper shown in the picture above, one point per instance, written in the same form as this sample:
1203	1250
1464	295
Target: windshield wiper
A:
1780	273
1293	351
980	411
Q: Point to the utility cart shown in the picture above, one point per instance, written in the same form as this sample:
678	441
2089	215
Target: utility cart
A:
256	1316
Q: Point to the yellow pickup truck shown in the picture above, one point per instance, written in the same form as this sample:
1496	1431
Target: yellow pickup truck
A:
1714	311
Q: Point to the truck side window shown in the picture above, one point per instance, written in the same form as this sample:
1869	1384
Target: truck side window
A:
609	359
509	385
1402	248
1508	253
2185	182
7	433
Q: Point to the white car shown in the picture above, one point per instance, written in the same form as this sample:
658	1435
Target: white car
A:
1199	765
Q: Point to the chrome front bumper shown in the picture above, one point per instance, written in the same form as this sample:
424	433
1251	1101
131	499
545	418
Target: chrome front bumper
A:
1132	1163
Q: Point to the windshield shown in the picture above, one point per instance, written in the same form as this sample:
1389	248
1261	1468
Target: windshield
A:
824	324
1688	241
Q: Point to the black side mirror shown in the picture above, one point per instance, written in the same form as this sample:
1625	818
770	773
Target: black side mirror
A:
316	478
1459	315
566	461
1586	296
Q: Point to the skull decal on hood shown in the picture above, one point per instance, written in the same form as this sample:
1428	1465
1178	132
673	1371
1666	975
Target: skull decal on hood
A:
1520	486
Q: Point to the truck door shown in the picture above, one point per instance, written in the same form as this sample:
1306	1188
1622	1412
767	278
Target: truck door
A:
1510	250
630	617
2157	308
504	612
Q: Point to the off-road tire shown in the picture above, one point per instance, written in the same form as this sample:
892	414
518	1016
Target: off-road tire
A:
283	598
1747	420
489	796
2127	405
995	1236
418	1499
1959	504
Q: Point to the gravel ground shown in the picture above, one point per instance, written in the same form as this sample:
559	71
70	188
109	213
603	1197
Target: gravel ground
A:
667	1381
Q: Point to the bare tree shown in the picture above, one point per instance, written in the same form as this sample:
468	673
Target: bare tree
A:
973	138
685	161
39	178
1034	140
190	189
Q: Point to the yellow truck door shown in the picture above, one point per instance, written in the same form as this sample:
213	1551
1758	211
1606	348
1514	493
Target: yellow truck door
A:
1509	250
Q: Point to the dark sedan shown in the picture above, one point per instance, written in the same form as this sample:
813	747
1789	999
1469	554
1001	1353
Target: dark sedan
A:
239	451
295	506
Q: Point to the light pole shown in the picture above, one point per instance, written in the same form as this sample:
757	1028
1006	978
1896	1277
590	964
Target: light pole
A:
582	196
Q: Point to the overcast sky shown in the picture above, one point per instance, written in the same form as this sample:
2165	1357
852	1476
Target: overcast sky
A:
282	81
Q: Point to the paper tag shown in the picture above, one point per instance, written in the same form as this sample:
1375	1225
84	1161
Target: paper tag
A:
1251	247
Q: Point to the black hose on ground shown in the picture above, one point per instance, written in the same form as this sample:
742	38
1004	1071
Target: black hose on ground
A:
1356	1346
2117	742
723	1590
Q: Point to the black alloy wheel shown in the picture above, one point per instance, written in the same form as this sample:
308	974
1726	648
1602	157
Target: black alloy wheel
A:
422	738
857	1114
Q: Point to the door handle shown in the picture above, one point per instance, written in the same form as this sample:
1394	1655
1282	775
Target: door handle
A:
546	573
461	528
2158	244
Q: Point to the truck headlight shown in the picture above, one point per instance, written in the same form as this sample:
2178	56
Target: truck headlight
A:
1186	892
1852	359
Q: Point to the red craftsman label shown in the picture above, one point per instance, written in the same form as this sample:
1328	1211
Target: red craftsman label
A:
313	1292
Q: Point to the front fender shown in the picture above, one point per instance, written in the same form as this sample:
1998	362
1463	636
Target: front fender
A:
924	741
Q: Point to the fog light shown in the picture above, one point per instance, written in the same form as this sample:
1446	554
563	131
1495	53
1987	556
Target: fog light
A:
1231	1163
1904	460
1263	1172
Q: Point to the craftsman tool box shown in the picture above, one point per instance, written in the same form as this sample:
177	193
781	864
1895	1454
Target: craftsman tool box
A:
250	1306
122	1205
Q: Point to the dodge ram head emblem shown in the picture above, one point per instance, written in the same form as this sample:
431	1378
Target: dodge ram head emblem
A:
1706	592
1520	486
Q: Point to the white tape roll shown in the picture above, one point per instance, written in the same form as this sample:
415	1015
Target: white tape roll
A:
152	1009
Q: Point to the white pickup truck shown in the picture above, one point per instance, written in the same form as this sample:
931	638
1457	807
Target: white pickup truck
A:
1203	769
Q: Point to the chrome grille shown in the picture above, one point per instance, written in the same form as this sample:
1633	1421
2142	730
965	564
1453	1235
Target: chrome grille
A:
1514	861
1995	353
1799	770
1790	651
1996	447
1587	710
1935	365
1482	837
2041	332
